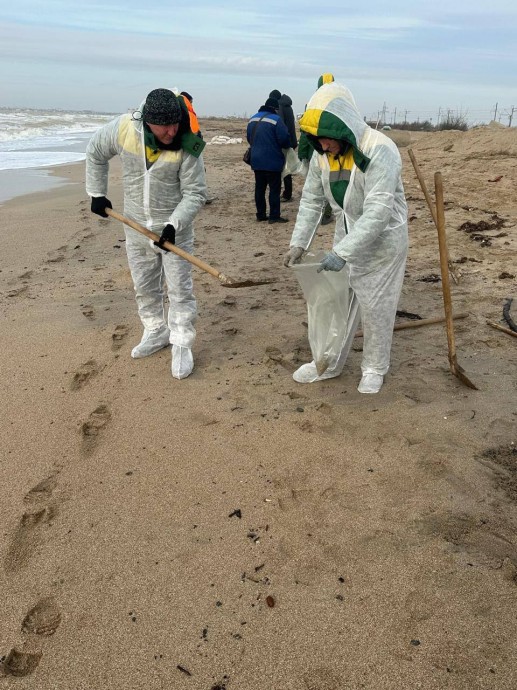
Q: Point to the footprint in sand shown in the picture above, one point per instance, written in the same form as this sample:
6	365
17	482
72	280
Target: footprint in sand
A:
56	260
26	275
18	291
88	311
84	374
322	679
40	512
42	620
90	430
118	336
22	660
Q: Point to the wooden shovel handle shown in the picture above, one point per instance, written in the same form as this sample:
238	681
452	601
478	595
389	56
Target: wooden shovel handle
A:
431	208
446	286
422	184
168	245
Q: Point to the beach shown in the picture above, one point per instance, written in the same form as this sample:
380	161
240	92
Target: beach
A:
236	530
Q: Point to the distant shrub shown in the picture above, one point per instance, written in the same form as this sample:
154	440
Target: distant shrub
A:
424	126
453	122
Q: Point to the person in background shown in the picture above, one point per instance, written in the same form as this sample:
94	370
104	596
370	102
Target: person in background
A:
267	136
194	123
187	100
305	150
285	110
164	188
358	171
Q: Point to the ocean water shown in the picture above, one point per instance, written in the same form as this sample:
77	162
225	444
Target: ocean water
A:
32	141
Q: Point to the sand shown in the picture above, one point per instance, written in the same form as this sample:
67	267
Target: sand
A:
148	520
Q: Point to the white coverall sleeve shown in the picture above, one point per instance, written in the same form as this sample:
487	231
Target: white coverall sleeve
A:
193	191
102	146
380	184
311	205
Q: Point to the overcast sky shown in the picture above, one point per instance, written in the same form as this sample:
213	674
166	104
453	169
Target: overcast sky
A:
411	56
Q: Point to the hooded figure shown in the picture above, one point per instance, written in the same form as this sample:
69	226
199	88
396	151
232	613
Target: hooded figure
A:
358	171
164	188
285	110
305	149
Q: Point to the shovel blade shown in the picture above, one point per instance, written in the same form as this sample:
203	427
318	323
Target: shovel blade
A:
231	283
459	373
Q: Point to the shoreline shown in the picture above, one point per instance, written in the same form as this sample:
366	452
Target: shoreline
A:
18	183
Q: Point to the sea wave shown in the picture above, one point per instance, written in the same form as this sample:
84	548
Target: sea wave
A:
19	160
41	138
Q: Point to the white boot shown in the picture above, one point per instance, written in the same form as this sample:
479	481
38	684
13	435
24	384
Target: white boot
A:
182	362
370	383
151	342
308	373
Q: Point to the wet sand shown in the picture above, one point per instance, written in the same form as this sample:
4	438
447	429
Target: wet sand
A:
157	520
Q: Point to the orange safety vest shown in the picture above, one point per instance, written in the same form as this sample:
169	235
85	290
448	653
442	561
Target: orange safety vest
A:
194	124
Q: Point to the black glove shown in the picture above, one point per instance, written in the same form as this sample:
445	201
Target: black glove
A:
99	203
168	235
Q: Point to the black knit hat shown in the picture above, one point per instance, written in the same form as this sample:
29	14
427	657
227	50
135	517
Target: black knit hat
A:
162	108
275	94
272	103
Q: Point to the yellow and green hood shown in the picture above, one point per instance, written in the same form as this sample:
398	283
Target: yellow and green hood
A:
332	113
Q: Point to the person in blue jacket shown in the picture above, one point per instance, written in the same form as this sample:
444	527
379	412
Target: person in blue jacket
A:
267	135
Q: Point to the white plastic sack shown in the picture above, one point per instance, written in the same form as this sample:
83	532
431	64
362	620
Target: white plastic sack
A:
328	297
292	165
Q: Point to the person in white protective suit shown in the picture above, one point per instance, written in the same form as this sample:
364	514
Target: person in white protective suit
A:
358	170
164	188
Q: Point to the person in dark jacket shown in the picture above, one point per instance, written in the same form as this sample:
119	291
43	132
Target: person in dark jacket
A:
267	135
285	110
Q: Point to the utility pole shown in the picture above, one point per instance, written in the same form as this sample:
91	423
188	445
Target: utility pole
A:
439	113
395	116
384	113
495	111
511	116
405	116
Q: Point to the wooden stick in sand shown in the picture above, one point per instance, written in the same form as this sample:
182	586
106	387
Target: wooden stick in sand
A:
502	328
421	322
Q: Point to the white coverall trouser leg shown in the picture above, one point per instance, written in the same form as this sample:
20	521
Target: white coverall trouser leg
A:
148	265
378	294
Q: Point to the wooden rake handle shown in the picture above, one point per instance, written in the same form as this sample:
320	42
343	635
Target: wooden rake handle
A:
168	245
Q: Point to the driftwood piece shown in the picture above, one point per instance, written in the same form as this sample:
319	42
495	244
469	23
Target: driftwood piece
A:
502	328
416	324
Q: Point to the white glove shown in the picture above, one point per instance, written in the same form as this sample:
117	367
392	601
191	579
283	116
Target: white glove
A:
293	256
331	262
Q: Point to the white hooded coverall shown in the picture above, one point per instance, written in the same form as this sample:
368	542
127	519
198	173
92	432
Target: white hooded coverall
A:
371	227
171	191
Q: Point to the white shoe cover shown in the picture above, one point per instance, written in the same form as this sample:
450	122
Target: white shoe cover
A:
182	362
370	383
151	342
308	373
